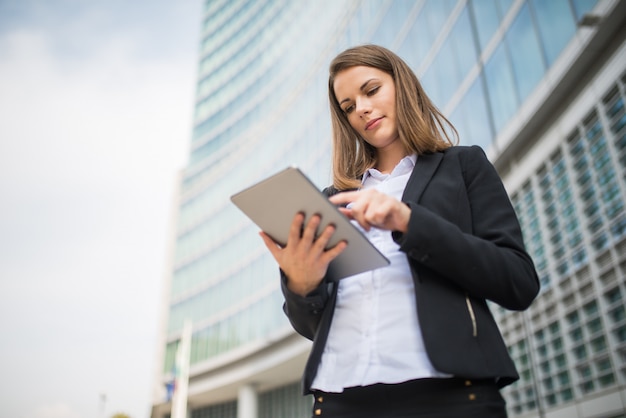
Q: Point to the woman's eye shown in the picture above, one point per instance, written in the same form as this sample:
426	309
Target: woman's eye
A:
348	109
373	91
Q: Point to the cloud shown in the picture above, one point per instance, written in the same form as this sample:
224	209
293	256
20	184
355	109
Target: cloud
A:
94	131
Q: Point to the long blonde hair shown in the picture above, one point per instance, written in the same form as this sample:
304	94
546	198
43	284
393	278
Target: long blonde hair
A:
421	126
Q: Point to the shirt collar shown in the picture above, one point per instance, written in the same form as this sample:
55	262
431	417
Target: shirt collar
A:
405	165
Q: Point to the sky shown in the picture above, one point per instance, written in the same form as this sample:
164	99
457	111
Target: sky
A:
96	107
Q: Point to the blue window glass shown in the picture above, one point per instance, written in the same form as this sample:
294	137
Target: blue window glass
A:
486	19
475	128
500	87
583	6
462	38
388	28
556	25
444	72
430	83
417	42
505	5
528	65
437	12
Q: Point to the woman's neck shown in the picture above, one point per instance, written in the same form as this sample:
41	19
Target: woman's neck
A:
387	160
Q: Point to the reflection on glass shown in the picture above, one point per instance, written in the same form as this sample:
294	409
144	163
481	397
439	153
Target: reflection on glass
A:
417	42
583	6
478	126
528	64
500	87
388	28
445	71
462	39
486	19
471	118
556	25
505	5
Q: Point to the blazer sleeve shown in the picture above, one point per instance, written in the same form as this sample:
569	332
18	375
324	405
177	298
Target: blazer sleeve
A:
305	312
482	251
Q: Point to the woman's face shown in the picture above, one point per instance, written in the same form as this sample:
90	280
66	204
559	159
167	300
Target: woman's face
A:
367	97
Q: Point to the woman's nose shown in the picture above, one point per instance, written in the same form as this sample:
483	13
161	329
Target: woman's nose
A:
363	107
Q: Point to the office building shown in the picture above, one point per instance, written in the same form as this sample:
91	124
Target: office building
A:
539	84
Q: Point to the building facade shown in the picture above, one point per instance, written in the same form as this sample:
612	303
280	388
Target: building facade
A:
539	84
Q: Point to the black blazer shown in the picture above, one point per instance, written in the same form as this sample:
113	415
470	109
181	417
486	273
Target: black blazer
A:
464	246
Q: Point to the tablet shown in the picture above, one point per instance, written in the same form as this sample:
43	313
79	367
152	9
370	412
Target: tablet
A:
272	203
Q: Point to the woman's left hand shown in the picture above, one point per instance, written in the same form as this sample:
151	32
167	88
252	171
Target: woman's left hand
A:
371	208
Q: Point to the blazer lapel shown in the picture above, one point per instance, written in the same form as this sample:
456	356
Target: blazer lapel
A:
425	168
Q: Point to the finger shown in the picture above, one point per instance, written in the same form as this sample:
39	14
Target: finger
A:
334	252
346	212
274	248
358	212
310	231
295	230
344	197
322	241
376	214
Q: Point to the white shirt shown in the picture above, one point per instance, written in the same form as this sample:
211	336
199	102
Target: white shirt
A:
375	335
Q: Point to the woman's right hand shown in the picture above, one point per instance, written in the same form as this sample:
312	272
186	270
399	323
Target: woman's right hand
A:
304	260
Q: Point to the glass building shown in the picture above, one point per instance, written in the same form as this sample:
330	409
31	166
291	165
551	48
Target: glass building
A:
539	84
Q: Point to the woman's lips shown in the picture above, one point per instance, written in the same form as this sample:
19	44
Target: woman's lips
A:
373	123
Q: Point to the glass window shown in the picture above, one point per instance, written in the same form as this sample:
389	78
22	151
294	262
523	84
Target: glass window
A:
528	64
576	335
472	113
551	398
573	318
619	227
618	314
567	394
584	372
616	107
548	383
438	12
486	20
554	328
505	5
444	71
462	38
577	147
580	352
598	344
591	309
613	296
594	326
388	28
556	25
417	42
430	82
500	87
620	334
618	124
583	6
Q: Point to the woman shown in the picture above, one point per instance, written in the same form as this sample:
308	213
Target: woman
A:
416	338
